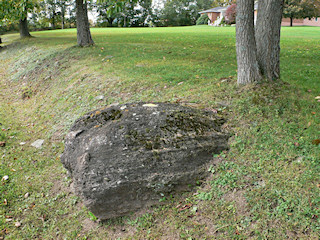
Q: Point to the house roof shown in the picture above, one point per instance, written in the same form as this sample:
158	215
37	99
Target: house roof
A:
220	9
216	9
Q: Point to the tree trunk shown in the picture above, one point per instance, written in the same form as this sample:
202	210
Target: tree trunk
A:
62	17
291	21
23	28
268	37
124	21
83	30
110	21
248	69
62	23
53	22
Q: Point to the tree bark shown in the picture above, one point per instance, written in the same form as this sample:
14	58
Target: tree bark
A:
53	19
62	22
62	17
248	69
83	29
268	37
291	21
23	28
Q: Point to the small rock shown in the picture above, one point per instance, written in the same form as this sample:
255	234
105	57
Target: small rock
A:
26	195
262	183
223	104
299	159
38	143
113	104
100	97
5	178
17	224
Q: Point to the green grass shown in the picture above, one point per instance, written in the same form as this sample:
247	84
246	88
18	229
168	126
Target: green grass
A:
266	187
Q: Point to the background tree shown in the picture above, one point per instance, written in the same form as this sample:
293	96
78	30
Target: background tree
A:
63	5
230	15
299	9
179	13
17	10
203	20
107	11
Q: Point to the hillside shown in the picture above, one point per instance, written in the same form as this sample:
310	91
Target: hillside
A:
266	186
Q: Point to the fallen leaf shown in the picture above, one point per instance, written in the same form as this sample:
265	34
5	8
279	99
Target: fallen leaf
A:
316	142
313	113
5	202
9	219
187	206
2	144
26	195
150	105
180	83
317	97
289	214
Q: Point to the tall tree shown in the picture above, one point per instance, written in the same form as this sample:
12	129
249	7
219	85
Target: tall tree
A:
258	51
248	68
268	37
83	28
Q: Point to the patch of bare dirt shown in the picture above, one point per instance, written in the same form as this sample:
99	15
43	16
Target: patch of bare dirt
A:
240	201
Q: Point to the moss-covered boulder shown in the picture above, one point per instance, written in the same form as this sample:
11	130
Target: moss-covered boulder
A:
126	157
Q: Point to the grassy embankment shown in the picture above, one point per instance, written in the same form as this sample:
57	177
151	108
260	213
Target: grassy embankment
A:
266	187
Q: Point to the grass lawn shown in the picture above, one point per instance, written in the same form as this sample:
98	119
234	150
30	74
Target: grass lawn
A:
266	187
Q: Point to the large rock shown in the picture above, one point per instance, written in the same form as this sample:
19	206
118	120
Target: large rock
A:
123	158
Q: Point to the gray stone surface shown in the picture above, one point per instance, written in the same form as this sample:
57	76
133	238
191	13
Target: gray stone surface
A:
38	143
126	157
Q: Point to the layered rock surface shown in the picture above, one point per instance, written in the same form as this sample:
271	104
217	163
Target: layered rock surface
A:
126	157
